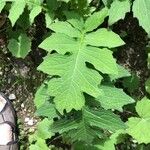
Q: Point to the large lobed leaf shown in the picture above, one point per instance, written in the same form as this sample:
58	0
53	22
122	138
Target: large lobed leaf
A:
75	76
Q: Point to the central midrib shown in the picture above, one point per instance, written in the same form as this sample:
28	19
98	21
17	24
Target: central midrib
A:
76	60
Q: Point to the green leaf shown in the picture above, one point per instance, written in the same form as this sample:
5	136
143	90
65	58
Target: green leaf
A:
49	18
40	144
141	12
64	0
103	37
41	96
102	59
122	72
43	129
2	4
83	133
114	139
107	2
74	75
60	42
16	10
118	10
71	68
66	28
63	126
47	110
148	59
83	146
103	119
108	145
21	47
139	127
131	83
143	108
74	19
95	19
35	7
89	126
34	12
24	21
147	86
114	98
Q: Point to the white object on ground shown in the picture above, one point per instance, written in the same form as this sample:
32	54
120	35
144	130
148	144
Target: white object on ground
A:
12	96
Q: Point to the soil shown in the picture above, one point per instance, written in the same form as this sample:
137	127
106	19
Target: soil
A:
19	80
133	55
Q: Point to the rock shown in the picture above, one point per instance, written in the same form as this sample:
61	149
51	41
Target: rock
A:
12	96
26	119
30	122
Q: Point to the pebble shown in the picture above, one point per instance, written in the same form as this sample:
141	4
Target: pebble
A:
26	119
12	96
30	122
22	105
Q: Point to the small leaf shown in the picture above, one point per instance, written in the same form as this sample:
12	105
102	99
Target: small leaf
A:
114	98
49	18
147	86
40	144
21	47
41	96
131	83
47	110
114	139
139	127
16	10
118	10
2	4
43	129
95	19
141	12
34	12
143	108
103	37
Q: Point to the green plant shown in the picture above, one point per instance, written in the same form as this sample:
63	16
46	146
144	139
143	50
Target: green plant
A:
78	102
73	77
